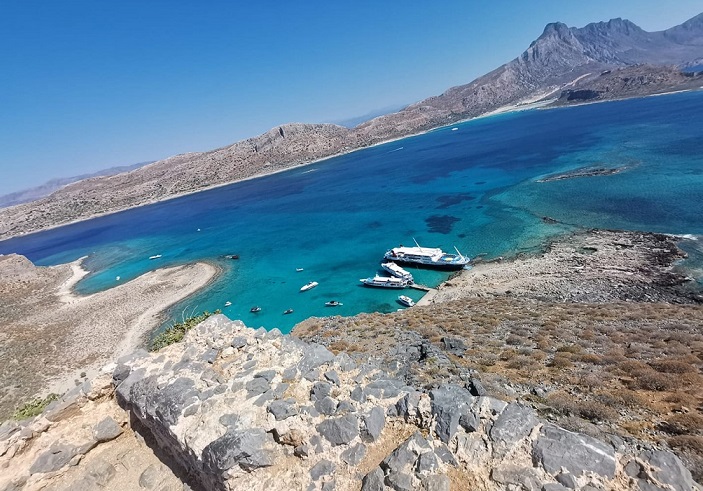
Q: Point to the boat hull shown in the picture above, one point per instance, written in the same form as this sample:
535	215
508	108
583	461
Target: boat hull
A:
376	285
436	266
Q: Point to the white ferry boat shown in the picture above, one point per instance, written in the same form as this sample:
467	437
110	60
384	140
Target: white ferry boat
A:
405	300
385	282
397	271
428	257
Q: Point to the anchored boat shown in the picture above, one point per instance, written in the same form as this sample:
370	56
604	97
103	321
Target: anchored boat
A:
397	271
428	257
308	286
405	300
385	282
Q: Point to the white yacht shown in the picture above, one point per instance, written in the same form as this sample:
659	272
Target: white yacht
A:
385	282
405	300
397	271
309	286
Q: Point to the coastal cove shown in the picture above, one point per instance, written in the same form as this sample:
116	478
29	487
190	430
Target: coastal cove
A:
476	188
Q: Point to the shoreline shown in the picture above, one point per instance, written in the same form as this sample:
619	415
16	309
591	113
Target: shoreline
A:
54	338
136	336
583	266
503	110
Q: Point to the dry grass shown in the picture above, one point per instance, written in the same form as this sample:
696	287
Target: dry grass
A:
632	367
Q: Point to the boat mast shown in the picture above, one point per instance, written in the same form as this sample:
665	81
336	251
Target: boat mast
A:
418	245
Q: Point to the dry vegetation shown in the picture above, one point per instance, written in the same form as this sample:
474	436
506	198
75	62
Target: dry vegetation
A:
632	369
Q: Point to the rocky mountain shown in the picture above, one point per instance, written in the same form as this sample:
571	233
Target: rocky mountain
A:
232	408
37	192
558	58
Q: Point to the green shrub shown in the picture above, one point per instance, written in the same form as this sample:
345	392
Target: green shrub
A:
177	331
34	408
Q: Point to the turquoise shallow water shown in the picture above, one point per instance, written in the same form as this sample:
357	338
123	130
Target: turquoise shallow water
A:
474	188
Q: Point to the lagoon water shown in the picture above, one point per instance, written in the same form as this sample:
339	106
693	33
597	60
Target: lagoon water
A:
475	188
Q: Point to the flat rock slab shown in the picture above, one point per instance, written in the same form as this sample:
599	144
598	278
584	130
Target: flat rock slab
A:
513	424
249	449
556	448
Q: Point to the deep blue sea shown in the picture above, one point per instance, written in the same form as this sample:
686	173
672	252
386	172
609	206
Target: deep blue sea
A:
474	188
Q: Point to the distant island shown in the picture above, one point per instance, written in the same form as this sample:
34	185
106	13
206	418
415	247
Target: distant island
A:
565	65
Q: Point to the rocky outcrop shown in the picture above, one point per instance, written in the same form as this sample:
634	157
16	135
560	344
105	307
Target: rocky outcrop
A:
552	62
269	411
626	82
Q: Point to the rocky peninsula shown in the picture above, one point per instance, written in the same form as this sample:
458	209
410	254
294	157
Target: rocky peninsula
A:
53	338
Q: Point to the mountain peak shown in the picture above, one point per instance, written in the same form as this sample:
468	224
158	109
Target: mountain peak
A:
558	29
613	26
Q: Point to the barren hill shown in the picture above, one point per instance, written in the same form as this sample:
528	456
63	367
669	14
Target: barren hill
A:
560	57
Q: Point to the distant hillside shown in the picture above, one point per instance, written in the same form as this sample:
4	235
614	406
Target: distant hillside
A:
357	120
560	58
31	194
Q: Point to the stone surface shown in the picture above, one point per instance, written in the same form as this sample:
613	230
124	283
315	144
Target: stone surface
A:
556	448
106	430
373	424
322	468
249	449
513	424
373	481
354	455
54	458
449	404
150	477
340	430
668	470
283	409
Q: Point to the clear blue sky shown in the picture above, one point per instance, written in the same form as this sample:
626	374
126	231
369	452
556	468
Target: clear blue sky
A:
86	84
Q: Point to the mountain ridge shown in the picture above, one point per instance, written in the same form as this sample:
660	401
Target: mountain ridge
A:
558	58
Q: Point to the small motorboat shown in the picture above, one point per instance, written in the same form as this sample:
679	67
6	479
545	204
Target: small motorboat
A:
289	311
117	278
232	256
298	269
255	309
155	256
333	303
309	286
405	300
228	303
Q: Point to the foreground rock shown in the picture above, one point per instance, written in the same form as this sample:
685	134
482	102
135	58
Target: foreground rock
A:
271	412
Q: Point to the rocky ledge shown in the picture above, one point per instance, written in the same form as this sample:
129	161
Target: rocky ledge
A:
235	408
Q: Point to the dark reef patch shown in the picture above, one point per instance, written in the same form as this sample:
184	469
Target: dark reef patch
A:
448	200
441	224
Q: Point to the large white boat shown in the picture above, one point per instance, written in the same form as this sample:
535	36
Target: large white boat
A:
429	257
308	286
385	282
397	271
